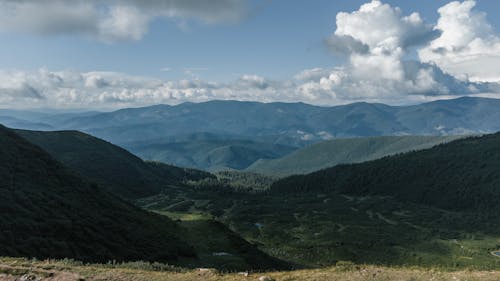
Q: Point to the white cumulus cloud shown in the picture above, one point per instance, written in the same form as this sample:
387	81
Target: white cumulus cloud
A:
468	48
376	39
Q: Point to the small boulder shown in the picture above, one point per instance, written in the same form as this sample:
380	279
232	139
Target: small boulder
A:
266	278
207	271
244	273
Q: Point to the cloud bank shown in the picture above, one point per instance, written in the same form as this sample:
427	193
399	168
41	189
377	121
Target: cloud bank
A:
377	40
110	20
459	55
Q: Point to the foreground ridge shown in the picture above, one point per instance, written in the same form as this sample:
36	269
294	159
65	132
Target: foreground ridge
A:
68	270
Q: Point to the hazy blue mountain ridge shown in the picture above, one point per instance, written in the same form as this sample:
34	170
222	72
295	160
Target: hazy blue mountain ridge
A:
232	134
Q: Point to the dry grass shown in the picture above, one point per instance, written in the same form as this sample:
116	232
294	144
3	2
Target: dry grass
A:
22	269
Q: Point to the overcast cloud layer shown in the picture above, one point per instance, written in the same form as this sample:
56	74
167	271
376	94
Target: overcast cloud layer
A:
459	55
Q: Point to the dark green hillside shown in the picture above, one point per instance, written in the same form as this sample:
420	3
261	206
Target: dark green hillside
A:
463	174
116	169
46	211
342	151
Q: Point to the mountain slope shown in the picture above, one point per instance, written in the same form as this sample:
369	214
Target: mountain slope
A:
343	151
460	175
116	169
47	212
209	154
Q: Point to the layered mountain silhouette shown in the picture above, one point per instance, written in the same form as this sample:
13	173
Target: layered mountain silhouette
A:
232	134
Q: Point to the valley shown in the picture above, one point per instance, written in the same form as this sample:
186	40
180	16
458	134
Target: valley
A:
378	202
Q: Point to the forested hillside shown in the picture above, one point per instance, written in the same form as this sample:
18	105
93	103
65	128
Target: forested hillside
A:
116	169
48	212
463	174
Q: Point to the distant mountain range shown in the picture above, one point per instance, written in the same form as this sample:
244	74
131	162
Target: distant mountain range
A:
233	134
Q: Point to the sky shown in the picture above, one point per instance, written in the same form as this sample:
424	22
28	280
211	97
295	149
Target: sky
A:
107	54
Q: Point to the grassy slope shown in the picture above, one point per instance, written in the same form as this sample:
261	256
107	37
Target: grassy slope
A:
119	171
46	211
342	151
10	269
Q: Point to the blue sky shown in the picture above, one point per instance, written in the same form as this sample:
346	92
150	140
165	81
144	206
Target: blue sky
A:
279	39
269	40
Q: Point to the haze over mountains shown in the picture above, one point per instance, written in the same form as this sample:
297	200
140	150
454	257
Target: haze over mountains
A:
230	134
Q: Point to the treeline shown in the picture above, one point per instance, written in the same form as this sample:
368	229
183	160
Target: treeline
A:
234	181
